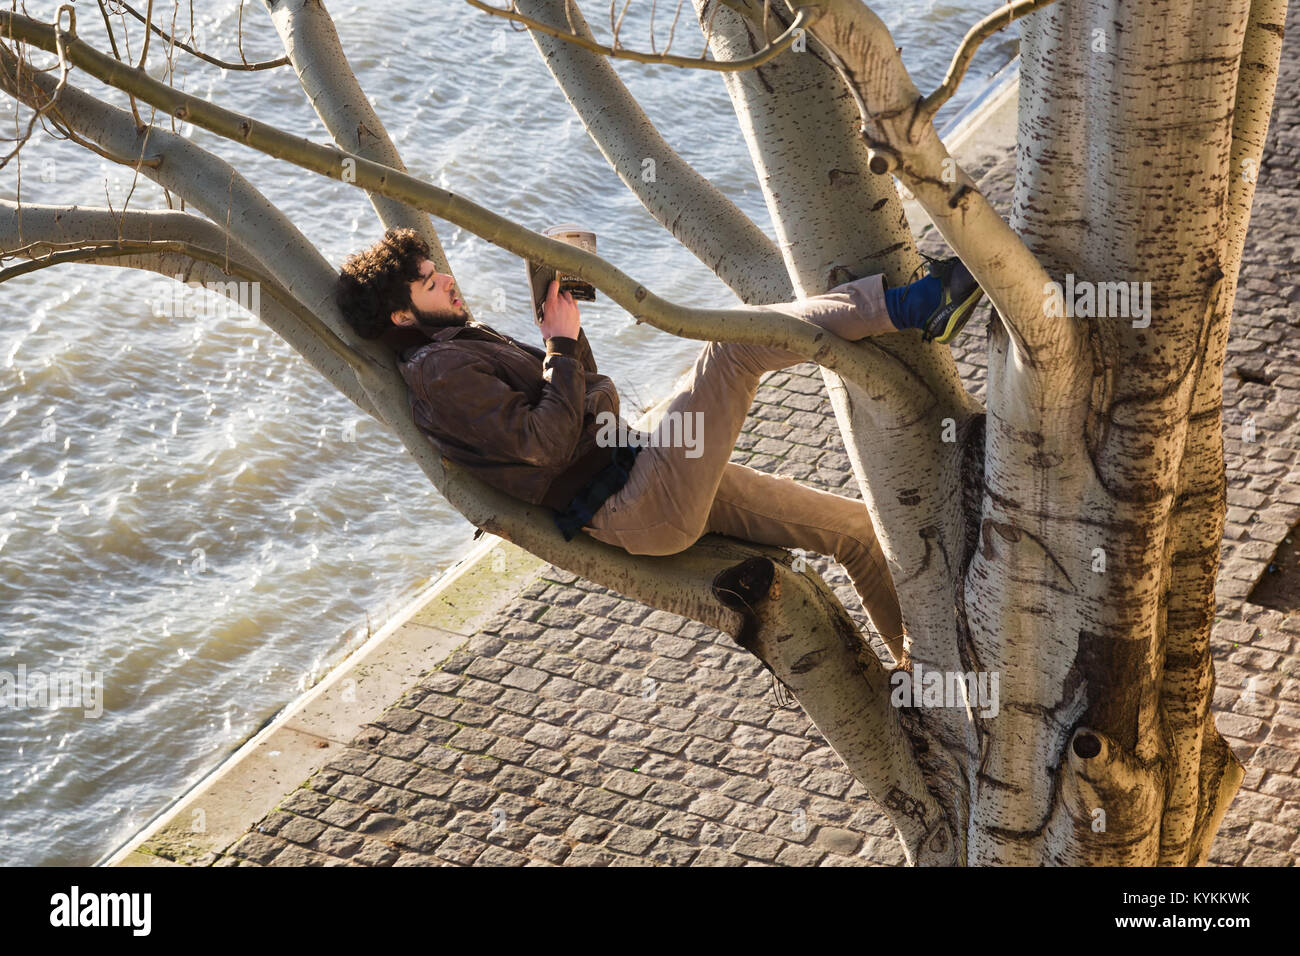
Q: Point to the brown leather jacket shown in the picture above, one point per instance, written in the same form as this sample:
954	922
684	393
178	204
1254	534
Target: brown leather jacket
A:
520	419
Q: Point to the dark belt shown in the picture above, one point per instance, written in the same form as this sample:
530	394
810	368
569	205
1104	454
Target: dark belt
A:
588	499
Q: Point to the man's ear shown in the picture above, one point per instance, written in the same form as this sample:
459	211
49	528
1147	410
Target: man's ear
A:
404	317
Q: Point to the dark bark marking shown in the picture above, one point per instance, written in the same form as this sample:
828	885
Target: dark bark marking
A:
900	802
996	784
1009	532
808	662
1106	664
1035	833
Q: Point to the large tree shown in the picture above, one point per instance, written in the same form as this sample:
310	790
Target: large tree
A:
1062	538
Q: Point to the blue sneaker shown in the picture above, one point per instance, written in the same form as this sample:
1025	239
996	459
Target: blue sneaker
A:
956	304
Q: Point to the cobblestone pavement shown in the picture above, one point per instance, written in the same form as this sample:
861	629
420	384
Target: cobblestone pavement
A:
580	728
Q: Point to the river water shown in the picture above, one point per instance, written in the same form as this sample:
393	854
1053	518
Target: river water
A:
190	514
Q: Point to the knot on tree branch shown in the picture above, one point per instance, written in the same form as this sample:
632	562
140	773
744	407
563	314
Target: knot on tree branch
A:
881	157
1109	803
742	587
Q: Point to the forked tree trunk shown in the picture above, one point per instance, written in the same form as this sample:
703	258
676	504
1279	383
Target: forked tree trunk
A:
1081	539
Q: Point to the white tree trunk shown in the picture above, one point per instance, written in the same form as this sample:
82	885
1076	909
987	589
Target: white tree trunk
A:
1094	508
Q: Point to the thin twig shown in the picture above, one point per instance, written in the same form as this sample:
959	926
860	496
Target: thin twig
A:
148	22
805	17
618	26
64	68
144	52
673	29
239	34
976	35
108	25
225	65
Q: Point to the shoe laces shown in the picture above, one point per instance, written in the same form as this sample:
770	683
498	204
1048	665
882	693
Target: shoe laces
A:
929	263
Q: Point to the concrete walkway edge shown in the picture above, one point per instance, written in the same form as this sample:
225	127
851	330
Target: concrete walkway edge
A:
210	817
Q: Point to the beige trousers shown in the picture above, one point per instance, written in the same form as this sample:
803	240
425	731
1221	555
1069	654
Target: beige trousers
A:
671	499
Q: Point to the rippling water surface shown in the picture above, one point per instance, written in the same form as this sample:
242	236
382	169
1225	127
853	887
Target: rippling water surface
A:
187	509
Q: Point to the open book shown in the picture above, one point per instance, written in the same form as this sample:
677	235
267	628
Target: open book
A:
540	274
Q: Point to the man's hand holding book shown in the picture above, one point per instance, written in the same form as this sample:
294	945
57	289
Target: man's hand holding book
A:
560	316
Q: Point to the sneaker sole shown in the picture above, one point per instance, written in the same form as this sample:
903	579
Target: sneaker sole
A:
960	316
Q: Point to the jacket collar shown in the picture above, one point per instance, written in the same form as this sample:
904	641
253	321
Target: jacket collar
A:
403	339
400	339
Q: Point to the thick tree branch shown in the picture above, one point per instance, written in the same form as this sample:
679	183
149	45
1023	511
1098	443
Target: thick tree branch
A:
836	219
1196	524
846	691
1207	773
1187	681
1261	54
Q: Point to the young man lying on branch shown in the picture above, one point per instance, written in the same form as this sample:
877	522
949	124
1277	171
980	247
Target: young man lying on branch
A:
529	422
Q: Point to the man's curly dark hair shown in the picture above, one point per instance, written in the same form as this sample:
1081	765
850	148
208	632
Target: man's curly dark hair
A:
374	283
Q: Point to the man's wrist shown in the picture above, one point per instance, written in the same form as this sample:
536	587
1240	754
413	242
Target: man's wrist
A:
562	345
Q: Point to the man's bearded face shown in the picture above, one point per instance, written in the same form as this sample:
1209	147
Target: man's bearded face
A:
435	300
